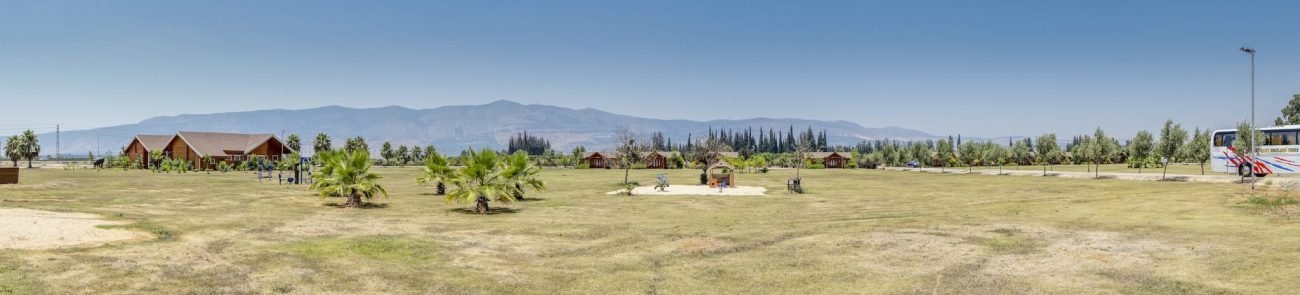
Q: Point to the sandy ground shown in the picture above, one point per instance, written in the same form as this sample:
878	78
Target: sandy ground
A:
35	229
696	190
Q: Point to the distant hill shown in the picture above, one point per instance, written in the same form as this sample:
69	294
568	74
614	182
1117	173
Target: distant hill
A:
452	128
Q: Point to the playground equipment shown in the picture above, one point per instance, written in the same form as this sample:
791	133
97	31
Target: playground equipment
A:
301	172
794	185
724	178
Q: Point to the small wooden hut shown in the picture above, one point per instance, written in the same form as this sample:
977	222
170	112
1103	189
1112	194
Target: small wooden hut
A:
727	177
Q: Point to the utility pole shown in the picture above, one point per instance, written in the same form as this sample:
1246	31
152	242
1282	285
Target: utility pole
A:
1253	149
57	143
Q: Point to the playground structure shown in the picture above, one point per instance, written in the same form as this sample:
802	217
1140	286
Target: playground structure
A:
662	185
726	178
301	171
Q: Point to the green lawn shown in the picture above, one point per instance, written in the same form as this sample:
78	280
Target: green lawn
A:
856	231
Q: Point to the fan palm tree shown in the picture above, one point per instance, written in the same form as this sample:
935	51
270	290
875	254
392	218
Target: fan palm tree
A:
482	180
522	174
31	147
13	149
347	174
437	170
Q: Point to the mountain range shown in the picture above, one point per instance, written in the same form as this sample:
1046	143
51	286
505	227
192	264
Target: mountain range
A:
452	128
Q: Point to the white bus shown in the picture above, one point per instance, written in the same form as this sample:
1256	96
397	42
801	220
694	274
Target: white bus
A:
1279	154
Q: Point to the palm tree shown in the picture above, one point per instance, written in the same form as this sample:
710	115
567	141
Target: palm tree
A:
347	174
13	149
322	143
522	173
437	170
294	142
31	147
480	180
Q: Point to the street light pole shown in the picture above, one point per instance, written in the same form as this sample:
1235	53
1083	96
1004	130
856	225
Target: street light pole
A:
1253	149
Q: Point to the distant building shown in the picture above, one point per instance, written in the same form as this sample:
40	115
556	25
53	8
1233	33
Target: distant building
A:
652	160
231	148
142	145
832	159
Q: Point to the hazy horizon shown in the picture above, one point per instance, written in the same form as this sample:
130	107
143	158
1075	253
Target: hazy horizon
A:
983	69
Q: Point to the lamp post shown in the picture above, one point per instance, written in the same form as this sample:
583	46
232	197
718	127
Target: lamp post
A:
1253	149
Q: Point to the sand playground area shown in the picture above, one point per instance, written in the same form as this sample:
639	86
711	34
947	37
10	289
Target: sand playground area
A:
695	190
36	229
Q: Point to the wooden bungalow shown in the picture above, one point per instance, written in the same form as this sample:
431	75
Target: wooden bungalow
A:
832	159
658	160
140	147
231	148
652	160
598	160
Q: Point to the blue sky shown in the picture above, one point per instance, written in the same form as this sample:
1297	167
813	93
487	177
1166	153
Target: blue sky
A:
983	68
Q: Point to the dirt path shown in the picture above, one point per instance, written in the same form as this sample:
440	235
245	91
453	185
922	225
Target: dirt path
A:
36	229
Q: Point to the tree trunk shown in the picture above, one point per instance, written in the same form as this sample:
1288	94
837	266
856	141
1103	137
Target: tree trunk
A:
1166	171
442	189
1202	168
29	162
626	171
1044	169
519	195
481	206
1097	171
354	200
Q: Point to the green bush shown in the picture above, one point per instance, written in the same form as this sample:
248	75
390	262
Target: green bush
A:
639	166
583	166
817	166
1267	201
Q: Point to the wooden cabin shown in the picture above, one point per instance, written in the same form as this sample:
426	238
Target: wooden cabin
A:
832	159
652	160
231	148
140	147
658	160
597	160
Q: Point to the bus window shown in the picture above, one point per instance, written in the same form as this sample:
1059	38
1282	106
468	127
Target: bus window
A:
1218	139
1228	138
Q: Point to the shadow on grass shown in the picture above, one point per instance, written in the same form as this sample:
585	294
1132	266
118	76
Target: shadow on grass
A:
494	210
1104	177
531	200
1175	179
363	205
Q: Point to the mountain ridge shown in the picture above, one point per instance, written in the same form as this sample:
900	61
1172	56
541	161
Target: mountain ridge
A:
455	127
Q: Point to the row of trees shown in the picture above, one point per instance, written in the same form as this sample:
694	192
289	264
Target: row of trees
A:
22	146
1144	150
403	155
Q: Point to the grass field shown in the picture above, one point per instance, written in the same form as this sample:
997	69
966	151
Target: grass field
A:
856	231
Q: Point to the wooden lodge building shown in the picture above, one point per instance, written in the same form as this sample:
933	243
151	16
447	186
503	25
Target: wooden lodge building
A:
231	148
140	147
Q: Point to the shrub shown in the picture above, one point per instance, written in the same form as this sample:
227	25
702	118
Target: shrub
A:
584	166
639	166
1267	201
817	166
